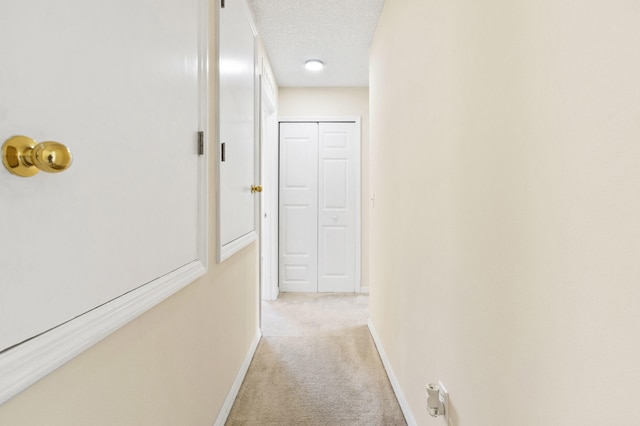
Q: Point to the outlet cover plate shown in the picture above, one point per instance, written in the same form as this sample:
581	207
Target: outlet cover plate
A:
444	399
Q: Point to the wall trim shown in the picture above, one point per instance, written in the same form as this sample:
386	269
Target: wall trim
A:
231	248
320	118
235	388
395	384
25	364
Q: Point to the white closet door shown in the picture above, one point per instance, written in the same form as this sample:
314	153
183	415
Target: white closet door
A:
298	207
337	182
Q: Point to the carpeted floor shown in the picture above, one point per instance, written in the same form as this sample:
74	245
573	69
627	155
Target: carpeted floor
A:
316	365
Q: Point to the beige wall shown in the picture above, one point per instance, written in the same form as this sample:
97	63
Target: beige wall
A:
174	365
505	244
351	101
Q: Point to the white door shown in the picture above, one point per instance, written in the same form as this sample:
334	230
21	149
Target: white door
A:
237	150
318	248
118	83
337	205
298	207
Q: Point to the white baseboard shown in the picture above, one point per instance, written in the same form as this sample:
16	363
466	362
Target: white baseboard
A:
235	388
363	290
404	405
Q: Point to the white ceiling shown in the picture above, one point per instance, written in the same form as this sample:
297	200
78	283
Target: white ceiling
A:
338	32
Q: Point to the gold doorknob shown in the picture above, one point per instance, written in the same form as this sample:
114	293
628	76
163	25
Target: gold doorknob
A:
24	157
256	188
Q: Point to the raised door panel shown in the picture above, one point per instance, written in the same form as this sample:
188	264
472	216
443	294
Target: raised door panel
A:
337	218
298	206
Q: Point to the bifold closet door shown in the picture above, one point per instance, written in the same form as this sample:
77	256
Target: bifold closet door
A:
318	187
337	204
298	207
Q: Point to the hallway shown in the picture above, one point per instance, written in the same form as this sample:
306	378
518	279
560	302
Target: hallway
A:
316	365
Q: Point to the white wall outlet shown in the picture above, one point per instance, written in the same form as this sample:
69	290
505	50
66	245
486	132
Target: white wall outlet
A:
438	401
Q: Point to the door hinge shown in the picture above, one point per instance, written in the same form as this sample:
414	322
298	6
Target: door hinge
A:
200	142
222	4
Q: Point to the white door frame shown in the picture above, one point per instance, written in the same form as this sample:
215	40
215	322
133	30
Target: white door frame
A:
269	197
358	121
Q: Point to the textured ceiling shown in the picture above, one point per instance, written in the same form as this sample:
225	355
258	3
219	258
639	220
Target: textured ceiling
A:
338	32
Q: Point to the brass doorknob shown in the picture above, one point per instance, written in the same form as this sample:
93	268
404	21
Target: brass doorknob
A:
24	157
256	188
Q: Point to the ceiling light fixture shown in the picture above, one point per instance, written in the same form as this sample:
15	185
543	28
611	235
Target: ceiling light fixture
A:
313	65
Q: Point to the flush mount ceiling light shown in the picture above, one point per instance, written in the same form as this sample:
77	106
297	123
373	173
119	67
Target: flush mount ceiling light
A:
313	65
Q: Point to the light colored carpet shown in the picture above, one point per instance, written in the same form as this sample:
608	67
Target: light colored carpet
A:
316	365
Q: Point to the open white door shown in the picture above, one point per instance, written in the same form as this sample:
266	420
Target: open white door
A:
122	84
238	161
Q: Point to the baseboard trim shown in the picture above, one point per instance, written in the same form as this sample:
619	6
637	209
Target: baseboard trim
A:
404	404
363	290
235	388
